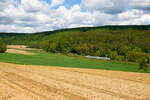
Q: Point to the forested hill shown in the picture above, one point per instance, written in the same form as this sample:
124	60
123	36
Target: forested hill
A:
26	38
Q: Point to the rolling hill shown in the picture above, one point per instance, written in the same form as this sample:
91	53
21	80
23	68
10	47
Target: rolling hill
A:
121	43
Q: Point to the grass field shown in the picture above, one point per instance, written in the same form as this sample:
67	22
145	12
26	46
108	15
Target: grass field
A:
60	60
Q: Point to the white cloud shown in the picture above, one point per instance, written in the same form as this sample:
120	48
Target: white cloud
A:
140	4
57	2
34	6
76	18
133	17
38	15
5	4
108	6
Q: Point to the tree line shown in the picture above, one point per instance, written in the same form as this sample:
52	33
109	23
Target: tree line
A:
122	45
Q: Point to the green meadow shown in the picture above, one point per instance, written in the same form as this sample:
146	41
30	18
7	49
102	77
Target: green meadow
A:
48	59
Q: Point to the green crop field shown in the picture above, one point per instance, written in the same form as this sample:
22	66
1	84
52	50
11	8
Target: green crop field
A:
47	59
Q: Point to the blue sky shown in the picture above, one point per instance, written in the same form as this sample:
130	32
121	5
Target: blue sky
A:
70	3
45	15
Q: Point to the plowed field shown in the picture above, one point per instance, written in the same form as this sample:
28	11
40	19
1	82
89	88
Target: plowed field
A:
27	82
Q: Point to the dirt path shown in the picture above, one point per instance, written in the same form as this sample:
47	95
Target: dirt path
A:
27	82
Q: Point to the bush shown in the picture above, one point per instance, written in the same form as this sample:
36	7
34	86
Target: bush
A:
113	54
139	57
143	63
45	46
53	47
135	56
3	47
132	56
37	45
98	53
120	58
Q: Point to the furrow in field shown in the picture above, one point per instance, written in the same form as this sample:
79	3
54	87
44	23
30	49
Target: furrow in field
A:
90	88
60	80
40	88
77	84
132	89
84	85
109	88
84	91
136	77
10	90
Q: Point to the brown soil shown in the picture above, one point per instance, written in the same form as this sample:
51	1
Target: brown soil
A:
18	49
27	82
17	46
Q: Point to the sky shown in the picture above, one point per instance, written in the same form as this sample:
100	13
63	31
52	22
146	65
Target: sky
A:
27	16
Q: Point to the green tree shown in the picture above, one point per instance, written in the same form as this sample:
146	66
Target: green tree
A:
120	58
113	54
124	51
143	63
53	47
45	46
98	53
3	47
